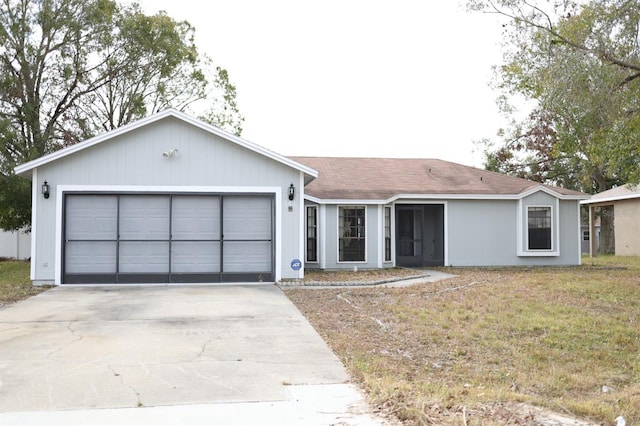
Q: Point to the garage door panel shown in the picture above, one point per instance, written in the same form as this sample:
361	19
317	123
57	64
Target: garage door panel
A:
247	218
195	257
247	256
146	257
92	257
92	217
195	218
144	217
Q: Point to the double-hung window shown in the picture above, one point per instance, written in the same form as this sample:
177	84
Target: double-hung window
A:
539	228
387	234
351	233
312	234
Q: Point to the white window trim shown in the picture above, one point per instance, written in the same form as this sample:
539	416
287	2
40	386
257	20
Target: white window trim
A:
380	241
322	240
383	251
366	234
523	230
306	237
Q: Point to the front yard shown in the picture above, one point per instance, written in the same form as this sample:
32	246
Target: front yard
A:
481	348
486	346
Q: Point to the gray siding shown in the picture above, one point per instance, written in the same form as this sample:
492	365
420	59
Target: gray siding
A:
481	233
135	159
477	233
570	235
485	232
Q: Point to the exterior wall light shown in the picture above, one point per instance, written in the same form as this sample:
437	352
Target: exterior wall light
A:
170	153
45	189
292	194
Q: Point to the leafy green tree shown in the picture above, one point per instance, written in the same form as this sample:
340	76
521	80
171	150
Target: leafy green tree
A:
579	63
70	69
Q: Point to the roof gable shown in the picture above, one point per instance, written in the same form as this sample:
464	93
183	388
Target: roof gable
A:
389	178
26	169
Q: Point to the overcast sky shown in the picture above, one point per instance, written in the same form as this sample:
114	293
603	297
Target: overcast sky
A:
401	78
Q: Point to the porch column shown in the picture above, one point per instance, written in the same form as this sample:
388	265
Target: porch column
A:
593	249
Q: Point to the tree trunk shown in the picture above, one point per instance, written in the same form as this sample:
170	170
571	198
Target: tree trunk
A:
607	234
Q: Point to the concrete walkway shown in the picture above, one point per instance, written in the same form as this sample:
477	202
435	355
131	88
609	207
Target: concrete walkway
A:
169	355
423	276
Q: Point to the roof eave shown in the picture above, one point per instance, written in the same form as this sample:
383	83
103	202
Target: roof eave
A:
550	191
440	197
610	199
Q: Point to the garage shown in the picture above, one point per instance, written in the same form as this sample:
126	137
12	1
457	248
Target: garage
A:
166	199
132	238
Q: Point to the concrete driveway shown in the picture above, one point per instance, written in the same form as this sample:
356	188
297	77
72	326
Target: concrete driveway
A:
161	355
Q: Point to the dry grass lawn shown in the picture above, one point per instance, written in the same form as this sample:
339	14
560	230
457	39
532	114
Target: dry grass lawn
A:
15	283
475	349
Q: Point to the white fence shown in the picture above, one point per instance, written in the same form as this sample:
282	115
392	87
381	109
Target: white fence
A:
15	244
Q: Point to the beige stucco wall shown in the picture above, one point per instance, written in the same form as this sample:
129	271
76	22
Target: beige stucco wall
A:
627	227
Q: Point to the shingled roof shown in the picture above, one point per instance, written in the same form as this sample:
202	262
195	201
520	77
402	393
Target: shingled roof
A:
383	178
624	192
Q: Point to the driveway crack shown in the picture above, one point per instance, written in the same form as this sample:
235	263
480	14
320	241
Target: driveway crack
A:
124	383
203	348
77	338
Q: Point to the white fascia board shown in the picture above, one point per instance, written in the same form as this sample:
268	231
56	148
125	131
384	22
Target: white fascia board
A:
573	197
539	188
410	198
441	197
308	197
344	201
551	192
25	168
610	199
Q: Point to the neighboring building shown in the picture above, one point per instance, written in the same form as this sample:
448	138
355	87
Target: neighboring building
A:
625	201
585	246
170	199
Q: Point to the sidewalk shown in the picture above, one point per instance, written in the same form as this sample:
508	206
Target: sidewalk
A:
308	405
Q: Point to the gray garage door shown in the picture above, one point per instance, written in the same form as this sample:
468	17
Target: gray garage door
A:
167	238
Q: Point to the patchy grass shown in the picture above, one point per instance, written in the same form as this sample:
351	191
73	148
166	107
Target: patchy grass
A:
15	283
470	349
